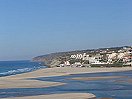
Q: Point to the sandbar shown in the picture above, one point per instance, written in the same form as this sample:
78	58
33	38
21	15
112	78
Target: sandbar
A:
59	96
24	81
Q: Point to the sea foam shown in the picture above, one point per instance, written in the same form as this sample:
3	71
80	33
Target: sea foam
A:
18	71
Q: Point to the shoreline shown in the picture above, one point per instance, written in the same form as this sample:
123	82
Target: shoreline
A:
24	81
59	96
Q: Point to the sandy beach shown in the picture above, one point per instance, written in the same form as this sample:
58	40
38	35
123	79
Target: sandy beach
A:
60	96
24	81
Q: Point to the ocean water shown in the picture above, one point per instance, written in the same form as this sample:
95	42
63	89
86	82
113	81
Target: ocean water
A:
16	67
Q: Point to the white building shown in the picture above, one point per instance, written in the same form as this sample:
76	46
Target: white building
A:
83	56
67	63
112	55
120	55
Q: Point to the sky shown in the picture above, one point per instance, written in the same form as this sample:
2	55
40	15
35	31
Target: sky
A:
29	28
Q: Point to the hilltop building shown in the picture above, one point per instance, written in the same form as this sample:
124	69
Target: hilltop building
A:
106	57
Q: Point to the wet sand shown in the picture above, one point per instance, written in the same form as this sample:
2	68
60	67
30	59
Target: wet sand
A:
129	81
97	78
24	81
126	81
105	98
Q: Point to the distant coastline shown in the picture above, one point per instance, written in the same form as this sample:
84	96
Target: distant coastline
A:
102	57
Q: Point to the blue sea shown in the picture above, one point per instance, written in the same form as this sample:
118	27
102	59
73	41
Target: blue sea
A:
16	67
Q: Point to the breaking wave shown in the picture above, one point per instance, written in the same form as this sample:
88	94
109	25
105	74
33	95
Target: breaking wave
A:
19	71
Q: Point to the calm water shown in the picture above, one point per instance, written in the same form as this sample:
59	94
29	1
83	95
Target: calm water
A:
116	88
16	67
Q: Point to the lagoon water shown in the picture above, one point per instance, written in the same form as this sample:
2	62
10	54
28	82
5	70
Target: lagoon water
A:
116	88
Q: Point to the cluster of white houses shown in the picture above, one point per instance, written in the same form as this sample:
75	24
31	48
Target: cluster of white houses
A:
105	57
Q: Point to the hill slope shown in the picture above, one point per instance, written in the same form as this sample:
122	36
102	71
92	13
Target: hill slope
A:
54	59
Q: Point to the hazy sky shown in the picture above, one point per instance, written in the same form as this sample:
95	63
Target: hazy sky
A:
35	27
